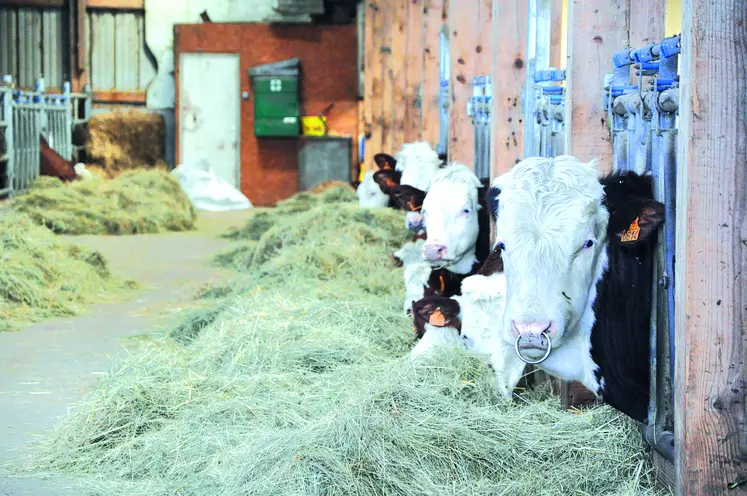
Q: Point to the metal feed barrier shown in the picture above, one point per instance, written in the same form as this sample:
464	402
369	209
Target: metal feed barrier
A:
28	115
642	109
478	109
544	110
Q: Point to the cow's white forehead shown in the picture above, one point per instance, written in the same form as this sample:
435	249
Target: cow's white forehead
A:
454	184
418	164
550	199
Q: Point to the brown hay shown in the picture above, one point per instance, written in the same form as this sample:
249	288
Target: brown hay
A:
329	184
126	140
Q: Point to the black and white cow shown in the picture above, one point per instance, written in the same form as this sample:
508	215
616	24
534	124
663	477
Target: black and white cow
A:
578	258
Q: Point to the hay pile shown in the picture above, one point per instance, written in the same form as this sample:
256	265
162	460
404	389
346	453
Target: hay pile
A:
295	384
330	184
135	202
42	277
126	140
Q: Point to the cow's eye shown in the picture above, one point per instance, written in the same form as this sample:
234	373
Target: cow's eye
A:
501	245
589	243
465	211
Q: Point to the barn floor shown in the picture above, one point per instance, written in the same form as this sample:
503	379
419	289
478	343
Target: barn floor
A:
47	366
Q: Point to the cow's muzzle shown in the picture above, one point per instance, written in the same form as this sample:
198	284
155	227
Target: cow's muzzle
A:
533	342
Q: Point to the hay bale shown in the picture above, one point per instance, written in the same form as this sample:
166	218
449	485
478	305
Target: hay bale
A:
41	277
296	383
135	202
126	139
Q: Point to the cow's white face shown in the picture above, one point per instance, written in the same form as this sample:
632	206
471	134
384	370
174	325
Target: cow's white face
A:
450	213
551	228
370	194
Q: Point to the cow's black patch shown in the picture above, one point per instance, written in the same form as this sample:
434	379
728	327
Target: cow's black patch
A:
620	336
491	199
385	161
407	198
492	265
483	221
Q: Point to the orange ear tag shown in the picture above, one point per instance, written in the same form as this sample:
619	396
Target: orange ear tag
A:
631	234
443	283
437	318
413	207
390	182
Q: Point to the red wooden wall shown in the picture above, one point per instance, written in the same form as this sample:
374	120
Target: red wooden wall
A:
269	167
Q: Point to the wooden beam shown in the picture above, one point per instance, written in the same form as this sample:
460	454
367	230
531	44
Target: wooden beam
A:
414	67
464	28
116	4
398	62
434	16
711	270
387	87
596	30
509	74
373	80
32	3
114	96
647	20
556	34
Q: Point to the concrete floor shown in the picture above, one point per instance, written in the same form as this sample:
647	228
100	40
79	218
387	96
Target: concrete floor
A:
47	366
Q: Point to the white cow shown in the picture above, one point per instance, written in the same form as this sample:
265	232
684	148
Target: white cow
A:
452	218
578	255
370	194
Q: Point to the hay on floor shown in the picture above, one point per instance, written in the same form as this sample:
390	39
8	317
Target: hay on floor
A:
135	202
126	139
42	277
296	383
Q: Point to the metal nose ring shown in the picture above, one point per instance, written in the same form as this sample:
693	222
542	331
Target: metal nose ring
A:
528	360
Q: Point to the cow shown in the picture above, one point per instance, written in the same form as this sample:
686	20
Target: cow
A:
370	194
456	226
578	251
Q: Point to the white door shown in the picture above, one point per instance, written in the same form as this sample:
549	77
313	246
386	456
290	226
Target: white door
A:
209	111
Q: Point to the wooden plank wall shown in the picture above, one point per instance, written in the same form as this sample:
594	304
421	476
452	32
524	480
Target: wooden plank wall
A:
470	31
401	79
510	19
711	271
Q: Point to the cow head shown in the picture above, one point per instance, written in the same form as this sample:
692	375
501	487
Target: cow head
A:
418	163
451	223
410	200
384	161
553	225
370	194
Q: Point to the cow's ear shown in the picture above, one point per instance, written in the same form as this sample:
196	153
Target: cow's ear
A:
386	179
634	221
494	192
408	198
385	162
437	311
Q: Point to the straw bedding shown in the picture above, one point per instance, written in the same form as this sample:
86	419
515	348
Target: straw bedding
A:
294	383
135	202
126	140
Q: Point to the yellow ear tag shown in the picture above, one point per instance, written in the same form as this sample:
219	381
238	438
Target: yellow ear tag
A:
631	234
437	318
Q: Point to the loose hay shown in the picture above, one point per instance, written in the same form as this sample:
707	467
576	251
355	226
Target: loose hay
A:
41	277
329	184
126	140
135	202
296	384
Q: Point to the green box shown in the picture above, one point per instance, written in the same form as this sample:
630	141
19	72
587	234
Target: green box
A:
277	109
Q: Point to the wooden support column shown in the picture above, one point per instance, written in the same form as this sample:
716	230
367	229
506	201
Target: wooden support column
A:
509	73
647	20
373	81
464	32
556	34
414	70
711	270
398	62
435	14
387	75
596	30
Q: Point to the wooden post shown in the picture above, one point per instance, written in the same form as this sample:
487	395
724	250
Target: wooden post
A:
398	62
711	270
464	28
414	70
509	59
596	30
556	34
387	76
372	83
647	19
434	15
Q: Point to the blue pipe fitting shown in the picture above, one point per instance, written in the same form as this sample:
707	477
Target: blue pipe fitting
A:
623	58
622	89
552	90
670	46
646	54
664	83
650	66
556	99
